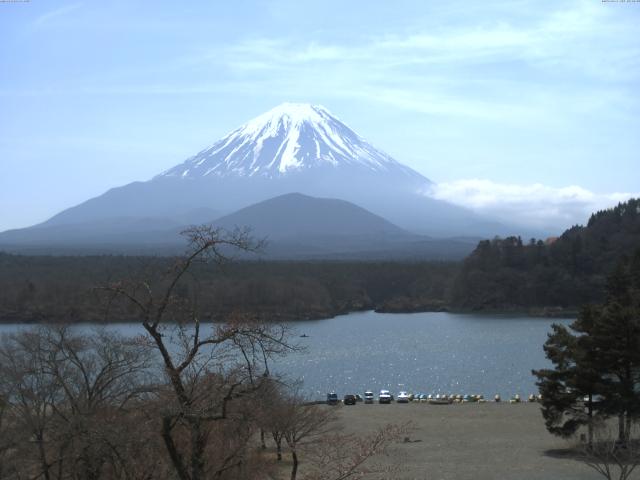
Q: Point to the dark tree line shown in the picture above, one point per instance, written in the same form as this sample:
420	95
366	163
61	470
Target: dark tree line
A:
565	272
61	289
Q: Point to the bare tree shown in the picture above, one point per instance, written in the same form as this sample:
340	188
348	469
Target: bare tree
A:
611	458
66	397
271	415
302	423
208	369
29	397
99	376
96	406
341	457
5	443
312	432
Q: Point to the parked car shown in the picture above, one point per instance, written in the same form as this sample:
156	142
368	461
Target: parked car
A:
358	398
349	399
403	397
368	396
332	398
384	396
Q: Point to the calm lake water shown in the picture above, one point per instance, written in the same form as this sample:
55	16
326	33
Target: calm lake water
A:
418	352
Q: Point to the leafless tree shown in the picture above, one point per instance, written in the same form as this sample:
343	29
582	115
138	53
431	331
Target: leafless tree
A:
611	458
270	414
347	456
101	406
5	443
29	397
210	368
300	424
99	375
312	433
66	397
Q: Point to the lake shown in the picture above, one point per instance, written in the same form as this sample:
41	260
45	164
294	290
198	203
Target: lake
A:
419	352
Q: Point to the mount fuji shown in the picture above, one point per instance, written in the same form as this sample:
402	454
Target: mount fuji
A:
291	139
291	148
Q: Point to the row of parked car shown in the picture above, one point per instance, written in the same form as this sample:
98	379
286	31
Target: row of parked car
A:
385	396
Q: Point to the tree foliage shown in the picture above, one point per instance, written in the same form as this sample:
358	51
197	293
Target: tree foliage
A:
596	361
565	272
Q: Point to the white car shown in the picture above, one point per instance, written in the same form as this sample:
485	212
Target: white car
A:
403	397
368	396
384	396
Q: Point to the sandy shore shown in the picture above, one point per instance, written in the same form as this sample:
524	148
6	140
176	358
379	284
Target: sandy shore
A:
469	441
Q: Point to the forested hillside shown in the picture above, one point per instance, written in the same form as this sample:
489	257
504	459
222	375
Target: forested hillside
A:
501	274
62	289
565	272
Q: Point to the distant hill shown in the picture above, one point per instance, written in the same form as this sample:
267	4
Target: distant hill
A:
565	272
296	216
299	226
295	226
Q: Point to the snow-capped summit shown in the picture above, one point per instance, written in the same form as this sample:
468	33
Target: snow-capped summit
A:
290	138
291	148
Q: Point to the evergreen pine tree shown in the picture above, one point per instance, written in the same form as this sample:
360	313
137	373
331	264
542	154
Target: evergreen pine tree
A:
569	389
596	361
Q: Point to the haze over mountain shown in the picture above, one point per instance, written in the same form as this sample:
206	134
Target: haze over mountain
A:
292	148
294	226
299	226
298	216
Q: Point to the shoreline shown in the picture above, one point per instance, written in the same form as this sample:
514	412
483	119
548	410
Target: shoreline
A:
541	312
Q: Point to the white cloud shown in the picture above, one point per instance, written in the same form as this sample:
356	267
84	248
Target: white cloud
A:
534	205
581	36
573	59
55	14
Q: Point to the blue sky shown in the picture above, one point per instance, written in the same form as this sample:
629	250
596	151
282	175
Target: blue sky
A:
525	108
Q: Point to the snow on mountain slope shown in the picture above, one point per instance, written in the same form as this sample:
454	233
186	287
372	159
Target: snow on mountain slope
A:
292	148
290	138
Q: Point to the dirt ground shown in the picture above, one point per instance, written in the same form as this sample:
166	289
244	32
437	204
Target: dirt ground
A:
469	441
